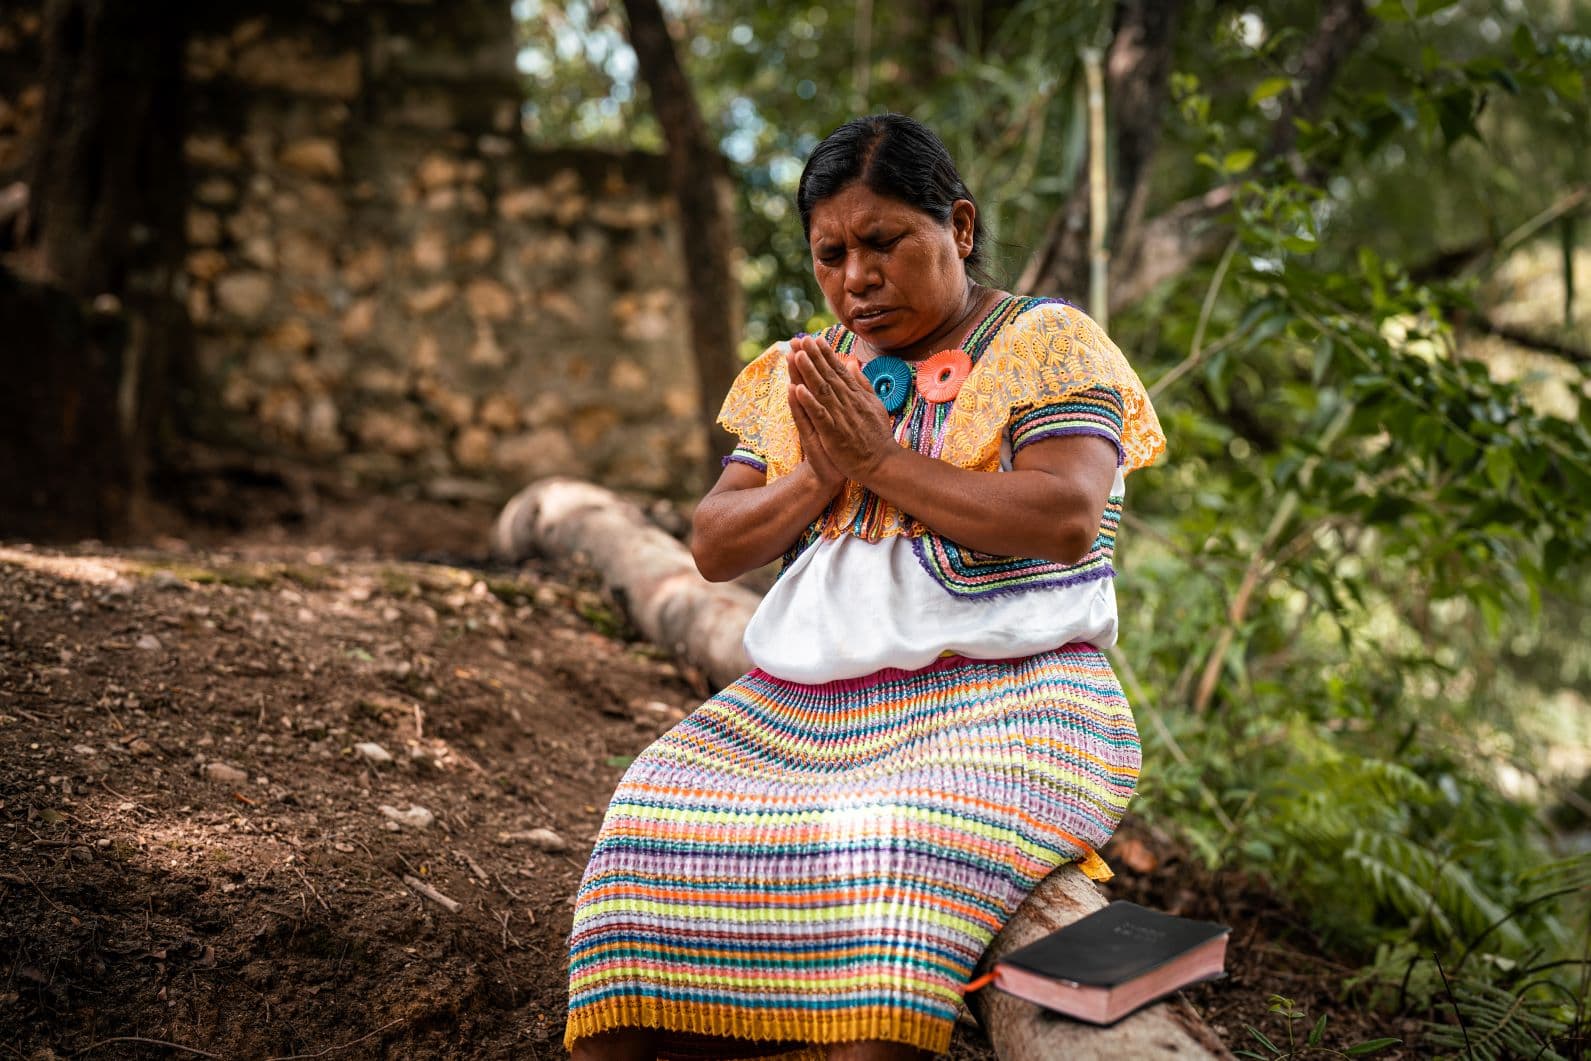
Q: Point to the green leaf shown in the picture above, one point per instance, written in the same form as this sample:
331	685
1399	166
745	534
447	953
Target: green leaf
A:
1239	160
1272	1047
1370	1046
1318	1031
620	760
1431	7
1505	77
1499	468
1567	83
1492	612
1392	11
1271	86
1323	355
1524	43
1259	851
1455	113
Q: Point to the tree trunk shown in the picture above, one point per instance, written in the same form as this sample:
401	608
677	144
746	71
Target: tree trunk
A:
703	196
63	468
1343	24
106	226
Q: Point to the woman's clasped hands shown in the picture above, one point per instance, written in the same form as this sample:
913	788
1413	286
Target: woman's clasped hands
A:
844	431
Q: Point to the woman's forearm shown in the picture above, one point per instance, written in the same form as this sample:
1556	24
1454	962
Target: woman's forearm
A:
1050	514
736	530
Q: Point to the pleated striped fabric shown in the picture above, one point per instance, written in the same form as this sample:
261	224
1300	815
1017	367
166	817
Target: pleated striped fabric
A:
807	864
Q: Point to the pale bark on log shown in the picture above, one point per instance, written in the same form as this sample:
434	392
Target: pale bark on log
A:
1022	1031
652	574
655	578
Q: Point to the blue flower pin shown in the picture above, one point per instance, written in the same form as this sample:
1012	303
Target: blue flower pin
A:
891	379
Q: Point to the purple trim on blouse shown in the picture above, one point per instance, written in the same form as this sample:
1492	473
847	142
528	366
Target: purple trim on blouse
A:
741	458
1040	434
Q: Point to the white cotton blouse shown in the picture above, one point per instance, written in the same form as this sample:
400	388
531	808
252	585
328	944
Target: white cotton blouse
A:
848	607
868	588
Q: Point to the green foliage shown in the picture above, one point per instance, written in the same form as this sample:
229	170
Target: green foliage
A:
1363	520
1491	1022
1314	1041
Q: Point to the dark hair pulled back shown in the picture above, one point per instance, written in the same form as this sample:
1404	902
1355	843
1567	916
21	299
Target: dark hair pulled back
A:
891	155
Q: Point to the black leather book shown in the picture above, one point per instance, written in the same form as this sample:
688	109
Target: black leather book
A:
1113	961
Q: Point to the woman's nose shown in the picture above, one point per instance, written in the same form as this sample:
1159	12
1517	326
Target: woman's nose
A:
861	273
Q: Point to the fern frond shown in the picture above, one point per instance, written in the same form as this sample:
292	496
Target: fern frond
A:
1566	874
1394	869
1496	1024
1422	884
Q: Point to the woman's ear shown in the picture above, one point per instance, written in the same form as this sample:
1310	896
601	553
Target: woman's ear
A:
963	224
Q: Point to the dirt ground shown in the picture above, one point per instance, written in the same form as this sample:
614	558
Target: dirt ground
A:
327	789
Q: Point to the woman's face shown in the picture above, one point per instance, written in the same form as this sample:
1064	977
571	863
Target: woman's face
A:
892	274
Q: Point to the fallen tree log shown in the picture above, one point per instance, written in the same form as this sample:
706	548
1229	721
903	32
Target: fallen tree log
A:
656	580
651	573
1022	1031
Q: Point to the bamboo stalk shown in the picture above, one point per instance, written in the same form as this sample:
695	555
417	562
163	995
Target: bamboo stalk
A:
1098	192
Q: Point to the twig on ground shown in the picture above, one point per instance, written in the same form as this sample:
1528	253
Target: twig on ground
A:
126	799
467	761
473	866
312	890
503	919
151	1042
334	1049
42	893
452	906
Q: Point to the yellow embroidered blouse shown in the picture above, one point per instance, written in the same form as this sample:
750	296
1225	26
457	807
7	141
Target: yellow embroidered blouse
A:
1044	355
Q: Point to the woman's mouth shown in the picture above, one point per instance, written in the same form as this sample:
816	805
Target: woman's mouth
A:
871	316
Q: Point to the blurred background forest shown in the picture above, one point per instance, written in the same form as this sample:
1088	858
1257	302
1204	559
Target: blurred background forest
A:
1348	249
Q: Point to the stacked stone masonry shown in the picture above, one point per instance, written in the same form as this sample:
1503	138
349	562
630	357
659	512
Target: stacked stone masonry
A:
384	275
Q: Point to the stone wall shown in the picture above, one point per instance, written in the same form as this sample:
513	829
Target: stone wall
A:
383	275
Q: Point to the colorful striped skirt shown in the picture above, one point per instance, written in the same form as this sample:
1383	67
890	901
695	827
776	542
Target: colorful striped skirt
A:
806	864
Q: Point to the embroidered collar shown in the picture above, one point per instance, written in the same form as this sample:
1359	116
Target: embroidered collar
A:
1007	309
